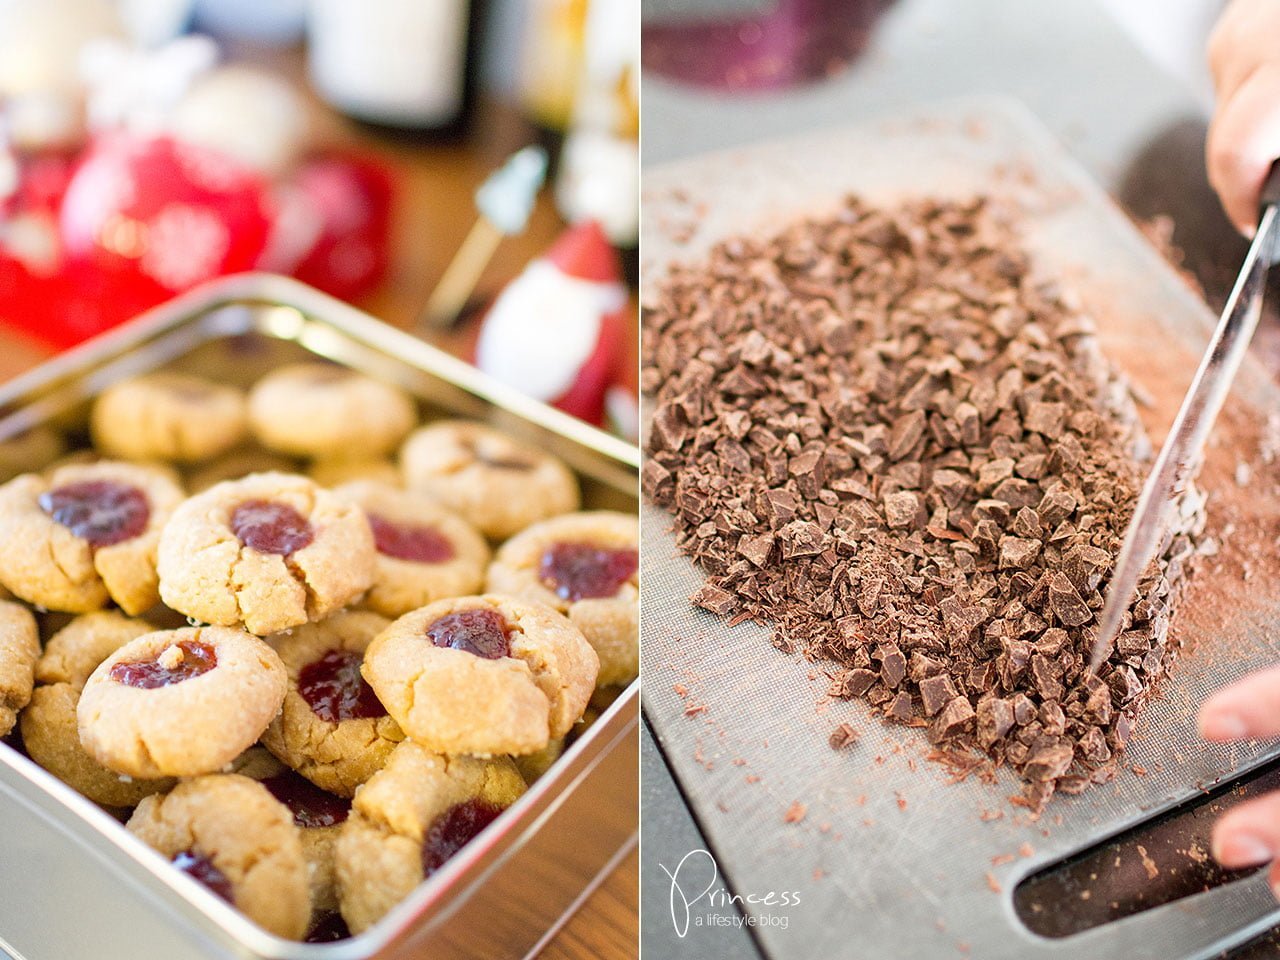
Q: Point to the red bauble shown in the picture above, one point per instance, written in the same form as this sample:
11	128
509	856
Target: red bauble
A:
350	198
151	217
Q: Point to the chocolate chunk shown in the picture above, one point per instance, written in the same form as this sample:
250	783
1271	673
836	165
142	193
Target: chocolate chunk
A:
1066	603
907	431
1097	708
800	538
843	736
1047	675
893	665
921	666
869	595
936	692
901	509
952	720
1084	566
995	720
991	474
854	683
900	707
1092	746
714	599
756	548
1046	419
1048	762
1017	553
1055	506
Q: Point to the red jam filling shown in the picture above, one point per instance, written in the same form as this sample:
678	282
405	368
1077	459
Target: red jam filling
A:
453	830
197	658
406	541
580	571
335	690
271	527
202	868
310	806
100	511
483	632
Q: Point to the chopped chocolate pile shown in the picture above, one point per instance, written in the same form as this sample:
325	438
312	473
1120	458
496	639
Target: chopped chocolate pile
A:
881	434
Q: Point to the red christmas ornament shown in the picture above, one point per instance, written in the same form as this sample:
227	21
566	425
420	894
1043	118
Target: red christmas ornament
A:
347	201
557	331
151	217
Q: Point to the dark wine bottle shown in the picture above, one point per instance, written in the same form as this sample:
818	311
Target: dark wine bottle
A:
408	67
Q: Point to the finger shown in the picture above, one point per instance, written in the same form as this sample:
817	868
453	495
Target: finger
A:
1233	52
1248	835
1244	139
1246	709
1240	42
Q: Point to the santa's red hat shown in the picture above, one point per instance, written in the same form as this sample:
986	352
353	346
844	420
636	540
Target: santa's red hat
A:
556	332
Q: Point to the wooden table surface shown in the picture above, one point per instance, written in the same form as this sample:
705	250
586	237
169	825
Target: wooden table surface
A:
434	210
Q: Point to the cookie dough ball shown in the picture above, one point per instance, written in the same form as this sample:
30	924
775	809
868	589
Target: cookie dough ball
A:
483	675
232	835
269	551
333	729
586	565
425	552
168	416
178	703
49	727
19	650
408	820
86	534
334	473
318	815
498	485
238	463
321	410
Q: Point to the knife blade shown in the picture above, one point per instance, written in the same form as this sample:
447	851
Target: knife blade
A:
1180	455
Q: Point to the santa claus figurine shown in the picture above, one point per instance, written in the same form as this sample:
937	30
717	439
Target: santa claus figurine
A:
556	332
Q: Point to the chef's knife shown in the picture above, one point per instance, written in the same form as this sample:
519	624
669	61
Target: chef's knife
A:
1180	456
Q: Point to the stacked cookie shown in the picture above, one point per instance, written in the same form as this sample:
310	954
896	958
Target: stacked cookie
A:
363	683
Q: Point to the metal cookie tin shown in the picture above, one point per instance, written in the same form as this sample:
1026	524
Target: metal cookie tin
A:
75	883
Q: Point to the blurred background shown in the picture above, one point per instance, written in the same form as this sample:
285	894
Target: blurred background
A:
147	146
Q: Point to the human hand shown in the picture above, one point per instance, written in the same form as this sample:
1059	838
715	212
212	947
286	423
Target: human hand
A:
1244	137
1249	834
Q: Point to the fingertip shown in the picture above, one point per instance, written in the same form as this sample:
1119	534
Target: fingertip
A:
1236	849
1219	722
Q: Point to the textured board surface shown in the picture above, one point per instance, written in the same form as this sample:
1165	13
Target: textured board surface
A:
890	857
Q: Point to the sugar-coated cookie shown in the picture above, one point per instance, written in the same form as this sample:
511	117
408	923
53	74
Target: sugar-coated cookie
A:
586	565
269	551
168	416
318	815
232	835
332	729
50	731
322	410
425	552
85	534
408	820
19	650
496	483
179	703
483	675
